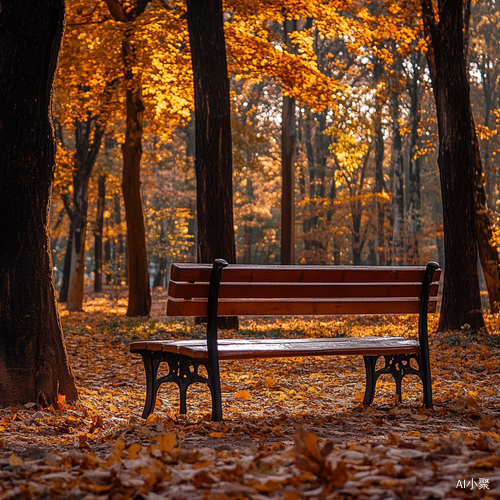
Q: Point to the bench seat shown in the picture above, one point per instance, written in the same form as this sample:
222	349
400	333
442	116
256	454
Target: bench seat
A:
279	348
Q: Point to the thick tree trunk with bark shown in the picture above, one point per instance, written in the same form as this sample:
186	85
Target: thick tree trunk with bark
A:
461	300
213	164
98	233
288	142
33	361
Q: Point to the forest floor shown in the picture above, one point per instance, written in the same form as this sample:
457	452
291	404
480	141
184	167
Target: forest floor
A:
293	428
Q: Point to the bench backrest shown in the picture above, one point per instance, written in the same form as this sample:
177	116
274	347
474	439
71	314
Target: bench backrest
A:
300	290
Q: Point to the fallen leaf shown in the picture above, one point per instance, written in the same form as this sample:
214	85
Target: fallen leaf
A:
167	442
269	382
16	461
419	416
216	434
486	424
243	395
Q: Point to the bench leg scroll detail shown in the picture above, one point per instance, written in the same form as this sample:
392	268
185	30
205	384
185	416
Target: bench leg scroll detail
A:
397	365
182	371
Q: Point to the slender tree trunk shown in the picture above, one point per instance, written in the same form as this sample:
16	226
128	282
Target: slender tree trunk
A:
98	233
33	361
213	163
107	259
78	229
379	170
414	223
461	300
162	261
85	158
63	293
139	295
248	226
139	300
399	200
288	142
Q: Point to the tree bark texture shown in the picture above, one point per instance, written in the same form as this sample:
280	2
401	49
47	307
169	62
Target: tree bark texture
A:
461	299
288	145
98	233
33	361
88	143
213	164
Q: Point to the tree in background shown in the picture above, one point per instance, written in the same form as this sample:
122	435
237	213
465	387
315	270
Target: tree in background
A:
213	132
139	299
457	160
33	361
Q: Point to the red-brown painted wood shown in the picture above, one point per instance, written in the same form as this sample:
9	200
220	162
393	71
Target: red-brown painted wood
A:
184	290
272	348
283	307
311	274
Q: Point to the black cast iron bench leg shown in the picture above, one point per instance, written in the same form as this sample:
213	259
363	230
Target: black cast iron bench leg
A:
151	364
371	379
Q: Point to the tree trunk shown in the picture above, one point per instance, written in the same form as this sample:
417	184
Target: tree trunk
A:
379	170
85	158
107	260
139	295
461	299
414	223
213	164
399	201
288	140
248	226
159	279
99	226
33	361
139	299
63	292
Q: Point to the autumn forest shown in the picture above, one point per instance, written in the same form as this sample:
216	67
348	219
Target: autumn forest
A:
362	135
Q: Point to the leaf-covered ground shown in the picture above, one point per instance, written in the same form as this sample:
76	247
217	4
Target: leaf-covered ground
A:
293	428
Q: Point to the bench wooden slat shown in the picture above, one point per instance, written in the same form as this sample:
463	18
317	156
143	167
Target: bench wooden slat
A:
277	307
273	348
311	274
182	290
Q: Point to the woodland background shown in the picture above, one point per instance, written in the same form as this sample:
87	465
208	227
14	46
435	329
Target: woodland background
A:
333	129
363	135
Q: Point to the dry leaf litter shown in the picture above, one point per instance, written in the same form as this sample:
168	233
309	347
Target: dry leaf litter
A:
293	428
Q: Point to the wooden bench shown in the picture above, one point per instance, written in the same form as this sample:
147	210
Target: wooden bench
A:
237	290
